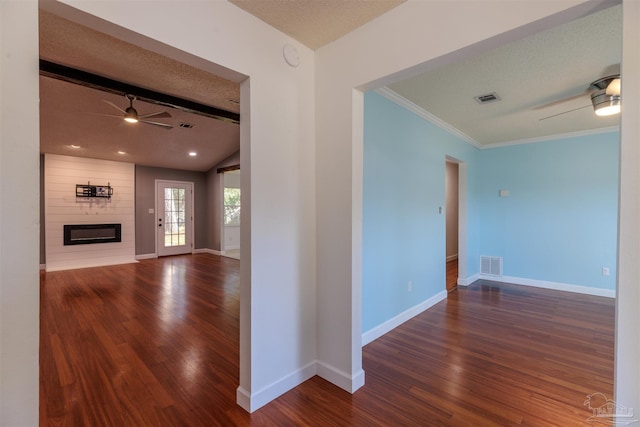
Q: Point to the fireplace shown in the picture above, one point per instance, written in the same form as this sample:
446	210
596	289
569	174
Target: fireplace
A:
85	234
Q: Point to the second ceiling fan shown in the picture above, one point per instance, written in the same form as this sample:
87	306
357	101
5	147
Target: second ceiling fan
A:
604	94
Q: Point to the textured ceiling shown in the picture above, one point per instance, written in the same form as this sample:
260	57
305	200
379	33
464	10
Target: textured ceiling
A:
529	75
80	47
75	115
315	23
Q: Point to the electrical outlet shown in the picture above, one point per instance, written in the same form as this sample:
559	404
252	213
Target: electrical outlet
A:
605	271
410	286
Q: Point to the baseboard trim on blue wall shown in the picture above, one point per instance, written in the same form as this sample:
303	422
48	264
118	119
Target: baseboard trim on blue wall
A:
609	293
469	280
251	402
378	331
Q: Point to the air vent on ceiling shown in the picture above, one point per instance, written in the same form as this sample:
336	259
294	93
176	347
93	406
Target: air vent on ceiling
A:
489	97
185	125
491	265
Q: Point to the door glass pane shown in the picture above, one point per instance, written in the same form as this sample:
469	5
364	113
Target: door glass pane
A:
174	214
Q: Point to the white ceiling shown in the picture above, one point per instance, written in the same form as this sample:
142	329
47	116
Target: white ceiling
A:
526	74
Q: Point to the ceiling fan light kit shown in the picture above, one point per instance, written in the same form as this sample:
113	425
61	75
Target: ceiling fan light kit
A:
606	98
131	114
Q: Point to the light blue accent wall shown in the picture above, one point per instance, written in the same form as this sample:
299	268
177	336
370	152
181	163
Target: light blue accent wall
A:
403	187
559	223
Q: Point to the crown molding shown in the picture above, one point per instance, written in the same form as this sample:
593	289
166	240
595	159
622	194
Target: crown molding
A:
421	112
552	137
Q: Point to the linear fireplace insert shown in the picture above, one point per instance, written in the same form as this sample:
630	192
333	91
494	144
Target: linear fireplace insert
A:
85	234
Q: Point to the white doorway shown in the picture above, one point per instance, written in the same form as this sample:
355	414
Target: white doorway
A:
230	235
174	213
455	223
451	221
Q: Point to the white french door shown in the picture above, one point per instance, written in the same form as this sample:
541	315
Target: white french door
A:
174	217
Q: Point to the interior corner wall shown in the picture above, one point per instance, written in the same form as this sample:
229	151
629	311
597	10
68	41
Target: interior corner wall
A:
404	232
19	215
214	200
559	222
146	223
43	255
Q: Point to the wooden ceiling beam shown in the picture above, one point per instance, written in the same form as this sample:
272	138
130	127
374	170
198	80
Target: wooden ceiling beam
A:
105	84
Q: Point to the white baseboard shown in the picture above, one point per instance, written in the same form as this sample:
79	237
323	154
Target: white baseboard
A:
469	280
89	263
609	293
250	402
342	379
207	251
452	257
378	331
146	256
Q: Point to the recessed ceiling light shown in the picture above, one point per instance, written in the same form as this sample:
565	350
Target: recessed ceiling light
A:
193	153
75	147
122	152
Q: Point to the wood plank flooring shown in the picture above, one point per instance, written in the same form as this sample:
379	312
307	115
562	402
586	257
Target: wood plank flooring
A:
452	275
156	344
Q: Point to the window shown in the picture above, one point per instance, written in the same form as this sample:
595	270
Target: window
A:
174	213
231	206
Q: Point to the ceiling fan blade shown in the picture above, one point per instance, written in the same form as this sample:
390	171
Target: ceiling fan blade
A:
114	106
162	125
613	88
561	101
564	112
158	114
104	114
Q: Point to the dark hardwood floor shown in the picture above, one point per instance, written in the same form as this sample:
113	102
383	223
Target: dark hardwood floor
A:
156	344
452	275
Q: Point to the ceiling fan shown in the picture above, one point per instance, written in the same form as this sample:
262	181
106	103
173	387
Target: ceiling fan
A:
131	114
604	94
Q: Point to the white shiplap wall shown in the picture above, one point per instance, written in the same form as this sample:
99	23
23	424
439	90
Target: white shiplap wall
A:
61	174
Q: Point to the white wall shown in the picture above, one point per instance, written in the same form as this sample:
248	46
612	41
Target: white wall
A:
277	327
19	213
62	207
627	375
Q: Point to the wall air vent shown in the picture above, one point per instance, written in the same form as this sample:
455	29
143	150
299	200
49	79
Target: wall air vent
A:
489	97
185	125
491	265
